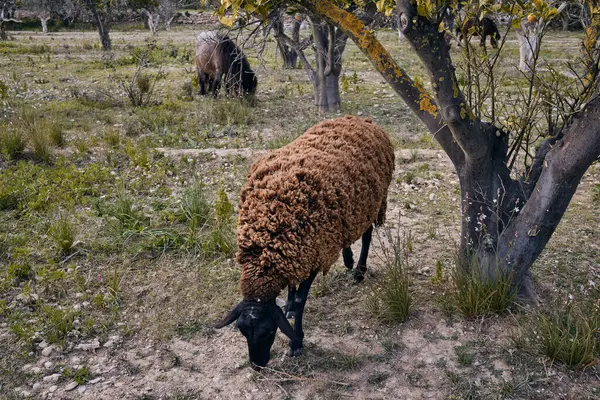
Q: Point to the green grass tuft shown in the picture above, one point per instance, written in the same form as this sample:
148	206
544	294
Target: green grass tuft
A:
570	336
390	298
12	143
474	294
62	231
195	206
42	146
56	135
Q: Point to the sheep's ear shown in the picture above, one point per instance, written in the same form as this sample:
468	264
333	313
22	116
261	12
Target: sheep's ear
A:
232	316
283	323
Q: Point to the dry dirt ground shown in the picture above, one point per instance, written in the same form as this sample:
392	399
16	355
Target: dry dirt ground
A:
157	341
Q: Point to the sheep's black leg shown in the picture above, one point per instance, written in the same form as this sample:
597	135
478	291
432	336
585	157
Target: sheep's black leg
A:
216	84
348	258
361	267
290	309
202	82
494	40
301	296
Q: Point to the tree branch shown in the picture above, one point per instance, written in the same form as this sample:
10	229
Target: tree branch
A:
434	52
331	42
397	78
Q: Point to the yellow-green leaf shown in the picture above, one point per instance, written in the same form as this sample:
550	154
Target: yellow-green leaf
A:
550	13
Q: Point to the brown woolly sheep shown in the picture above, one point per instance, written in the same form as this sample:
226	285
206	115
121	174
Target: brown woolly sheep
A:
301	205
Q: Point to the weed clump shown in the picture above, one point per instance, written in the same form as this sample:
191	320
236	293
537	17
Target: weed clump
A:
12	143
58	322
82	375
140	88
56	135
596	193
63	233
112	138
390	298
195	206
569	336
475	294
221	239
40	141
20	272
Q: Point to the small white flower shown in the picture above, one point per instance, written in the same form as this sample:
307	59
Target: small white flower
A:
516	209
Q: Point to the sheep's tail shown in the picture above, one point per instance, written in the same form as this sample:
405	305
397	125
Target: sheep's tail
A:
382	210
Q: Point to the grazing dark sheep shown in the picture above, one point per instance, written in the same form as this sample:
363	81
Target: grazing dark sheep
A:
483	28
301	205
217	57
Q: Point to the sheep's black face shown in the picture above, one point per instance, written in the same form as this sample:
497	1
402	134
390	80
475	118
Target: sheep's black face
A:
258	322
249	82
259	329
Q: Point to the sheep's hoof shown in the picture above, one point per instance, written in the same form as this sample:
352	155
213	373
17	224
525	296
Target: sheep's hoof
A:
290	314
295	352
359	275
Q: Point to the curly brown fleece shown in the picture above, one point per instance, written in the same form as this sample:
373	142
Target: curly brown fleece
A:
306	201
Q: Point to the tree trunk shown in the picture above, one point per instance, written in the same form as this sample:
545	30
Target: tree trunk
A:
289	55
4	18
44	22
3	35
103	31
102	21
328	66
528	44
151	20
155	27
168	23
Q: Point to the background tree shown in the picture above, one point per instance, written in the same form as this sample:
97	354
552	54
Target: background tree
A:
7	8
101	11
510	209
288	54
46	10
153	11
168	12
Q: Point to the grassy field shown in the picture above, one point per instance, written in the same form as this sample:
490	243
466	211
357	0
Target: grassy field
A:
117	238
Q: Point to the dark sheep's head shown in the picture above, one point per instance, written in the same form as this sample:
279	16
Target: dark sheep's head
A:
249	82
258	321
